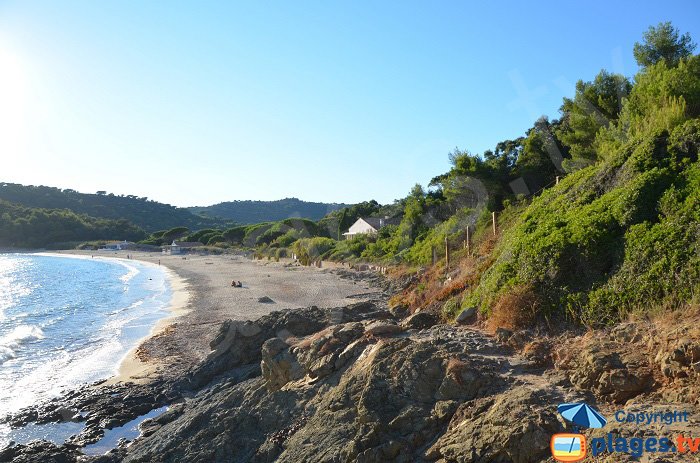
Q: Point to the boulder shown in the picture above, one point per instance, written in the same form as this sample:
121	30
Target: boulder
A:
419	321
278	364
466	316
612	371
516	427
382	328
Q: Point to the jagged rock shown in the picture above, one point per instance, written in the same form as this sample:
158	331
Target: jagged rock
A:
233	350
373	399
611	372
278	365
626	332
265	300
676	359
514	427
466	316
419	321
38	451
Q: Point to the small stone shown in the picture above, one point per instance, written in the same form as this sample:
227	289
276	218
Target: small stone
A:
265	300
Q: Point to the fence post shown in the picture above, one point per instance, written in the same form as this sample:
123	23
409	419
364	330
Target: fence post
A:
447	254
557	180
434	255
493	219
468	244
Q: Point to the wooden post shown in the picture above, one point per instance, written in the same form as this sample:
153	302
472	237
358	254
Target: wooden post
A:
447	254
467	241
557	180
493	219
434	255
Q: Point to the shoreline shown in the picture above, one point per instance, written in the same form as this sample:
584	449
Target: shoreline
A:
202	299
130	368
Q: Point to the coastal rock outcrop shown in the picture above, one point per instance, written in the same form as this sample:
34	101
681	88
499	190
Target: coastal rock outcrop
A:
239	343
513	427
611	371
348	393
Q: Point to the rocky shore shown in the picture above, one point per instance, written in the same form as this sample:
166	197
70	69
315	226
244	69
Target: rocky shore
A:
364	383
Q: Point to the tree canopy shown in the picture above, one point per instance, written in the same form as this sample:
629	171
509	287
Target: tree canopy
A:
663	43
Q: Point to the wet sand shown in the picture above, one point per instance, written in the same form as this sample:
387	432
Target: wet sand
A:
203	298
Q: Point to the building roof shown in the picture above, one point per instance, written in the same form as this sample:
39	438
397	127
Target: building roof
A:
379	222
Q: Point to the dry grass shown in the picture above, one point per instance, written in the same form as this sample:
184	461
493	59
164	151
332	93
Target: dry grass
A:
431	289
514	310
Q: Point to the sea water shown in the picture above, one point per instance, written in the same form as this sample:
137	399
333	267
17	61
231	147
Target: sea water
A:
67	321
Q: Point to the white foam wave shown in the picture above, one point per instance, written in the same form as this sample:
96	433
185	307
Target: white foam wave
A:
21	334
123	309
6	354
131	273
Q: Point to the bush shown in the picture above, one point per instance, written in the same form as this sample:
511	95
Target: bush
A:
610	239
309	250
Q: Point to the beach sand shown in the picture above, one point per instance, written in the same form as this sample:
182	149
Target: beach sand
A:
203	298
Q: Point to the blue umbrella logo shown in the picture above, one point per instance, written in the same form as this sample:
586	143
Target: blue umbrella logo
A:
581	414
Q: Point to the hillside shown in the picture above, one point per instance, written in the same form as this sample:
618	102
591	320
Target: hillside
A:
597	212
618	236
249	212
142	212
25	227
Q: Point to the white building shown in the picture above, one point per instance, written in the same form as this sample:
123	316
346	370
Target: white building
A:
179	247
117	246
368	226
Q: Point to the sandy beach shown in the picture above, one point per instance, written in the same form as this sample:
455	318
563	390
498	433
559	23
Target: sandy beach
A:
203	298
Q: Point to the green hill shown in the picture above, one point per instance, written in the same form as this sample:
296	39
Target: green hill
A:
25	227
598	212
142	212
250	212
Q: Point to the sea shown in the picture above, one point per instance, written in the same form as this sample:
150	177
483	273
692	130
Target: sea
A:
66	321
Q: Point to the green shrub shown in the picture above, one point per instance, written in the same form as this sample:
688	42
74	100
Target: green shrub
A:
309	250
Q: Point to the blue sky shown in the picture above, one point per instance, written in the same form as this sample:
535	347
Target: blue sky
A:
193	103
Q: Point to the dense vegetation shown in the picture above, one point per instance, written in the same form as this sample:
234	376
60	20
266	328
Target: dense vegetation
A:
250	212
142	212
619	233
35	228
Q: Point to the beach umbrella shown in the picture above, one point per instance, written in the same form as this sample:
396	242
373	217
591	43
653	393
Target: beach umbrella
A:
582	415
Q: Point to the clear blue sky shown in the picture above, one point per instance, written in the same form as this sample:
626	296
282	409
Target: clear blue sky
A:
193	103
